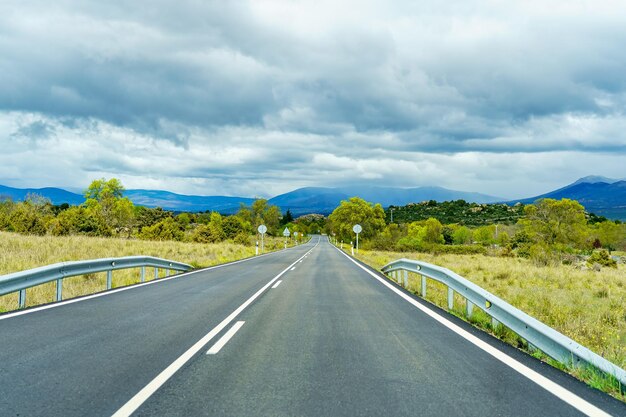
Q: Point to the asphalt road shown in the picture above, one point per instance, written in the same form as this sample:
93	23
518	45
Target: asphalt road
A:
302	332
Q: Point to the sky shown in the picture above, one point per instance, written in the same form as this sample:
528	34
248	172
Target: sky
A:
508	98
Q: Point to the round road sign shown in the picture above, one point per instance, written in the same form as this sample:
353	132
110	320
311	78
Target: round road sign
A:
262	229
357	229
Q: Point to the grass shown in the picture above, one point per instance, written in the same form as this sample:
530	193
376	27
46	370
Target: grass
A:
21	252
587	306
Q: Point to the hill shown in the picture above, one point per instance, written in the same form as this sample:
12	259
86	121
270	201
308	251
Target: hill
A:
325	200
606	199
460	211
55	195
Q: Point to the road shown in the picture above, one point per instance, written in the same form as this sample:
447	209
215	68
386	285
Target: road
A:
302	332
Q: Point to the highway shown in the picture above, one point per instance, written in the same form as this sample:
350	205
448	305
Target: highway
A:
302	332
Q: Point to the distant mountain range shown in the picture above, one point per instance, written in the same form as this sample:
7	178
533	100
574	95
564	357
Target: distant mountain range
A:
600	195
301	201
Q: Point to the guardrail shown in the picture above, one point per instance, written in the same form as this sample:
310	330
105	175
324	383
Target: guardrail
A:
20	281
536	333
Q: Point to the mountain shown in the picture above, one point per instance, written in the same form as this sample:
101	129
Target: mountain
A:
56	195
181	202
606	199
148	198
324	200
301	201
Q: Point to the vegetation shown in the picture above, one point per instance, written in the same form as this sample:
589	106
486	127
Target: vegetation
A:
20	252
585	306
107	213
459	211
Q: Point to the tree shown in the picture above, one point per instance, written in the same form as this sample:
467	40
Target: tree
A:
610	234
287	218
166	229
357	211
462	236
106	199
553	222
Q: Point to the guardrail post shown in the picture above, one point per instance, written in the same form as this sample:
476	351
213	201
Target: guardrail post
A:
406	279
398	279
59	289
21	298
167	272
143	274
450	298
423	286
468	308
494	323
109	279
156	273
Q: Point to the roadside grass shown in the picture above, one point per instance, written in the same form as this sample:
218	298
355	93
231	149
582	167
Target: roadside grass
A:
20	252
585	305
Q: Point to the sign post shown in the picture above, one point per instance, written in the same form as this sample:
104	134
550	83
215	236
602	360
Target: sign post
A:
357	229
286	233
262	229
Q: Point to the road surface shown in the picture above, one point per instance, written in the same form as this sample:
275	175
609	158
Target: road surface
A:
303	332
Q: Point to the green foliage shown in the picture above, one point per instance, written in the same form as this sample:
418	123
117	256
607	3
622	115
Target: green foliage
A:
601	258
462	236
357	211
485	235
106	199
166	229
555	222
459	211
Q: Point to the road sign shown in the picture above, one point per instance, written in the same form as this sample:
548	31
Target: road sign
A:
286	232
357	229
262	229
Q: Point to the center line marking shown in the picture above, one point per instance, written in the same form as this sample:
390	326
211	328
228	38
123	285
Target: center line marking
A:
146	392
277	283
224	339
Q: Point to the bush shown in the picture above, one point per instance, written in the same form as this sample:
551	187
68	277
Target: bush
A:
601	258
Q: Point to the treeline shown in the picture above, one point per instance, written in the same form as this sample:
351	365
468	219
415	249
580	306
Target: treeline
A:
106	212
547	231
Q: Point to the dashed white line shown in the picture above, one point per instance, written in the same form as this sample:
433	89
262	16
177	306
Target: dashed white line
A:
292	268
224	339
277	283
146	392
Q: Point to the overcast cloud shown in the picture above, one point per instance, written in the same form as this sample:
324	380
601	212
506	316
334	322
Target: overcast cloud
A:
257	98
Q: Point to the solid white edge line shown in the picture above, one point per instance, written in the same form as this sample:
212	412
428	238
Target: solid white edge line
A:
130	287
138	399
545	383
277	284
224	339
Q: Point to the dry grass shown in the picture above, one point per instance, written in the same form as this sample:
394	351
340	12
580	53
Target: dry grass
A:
587	306
20	252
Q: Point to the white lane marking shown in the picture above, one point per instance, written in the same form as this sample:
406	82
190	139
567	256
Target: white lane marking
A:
545	383
134	403
224	339
293	268
102	294
277	283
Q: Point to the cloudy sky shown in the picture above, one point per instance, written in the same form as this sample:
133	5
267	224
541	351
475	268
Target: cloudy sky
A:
509	98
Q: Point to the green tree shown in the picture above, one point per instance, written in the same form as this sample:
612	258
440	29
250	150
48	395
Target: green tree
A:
357	211
166	229
551	222
610	234
106	199
462	236
485	235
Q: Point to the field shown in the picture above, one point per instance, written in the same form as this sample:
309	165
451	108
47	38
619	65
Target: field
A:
587	306
20	252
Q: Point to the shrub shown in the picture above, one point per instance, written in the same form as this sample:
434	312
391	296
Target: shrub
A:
601	258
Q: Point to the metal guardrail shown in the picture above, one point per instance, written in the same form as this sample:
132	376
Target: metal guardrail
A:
536	333
20	281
